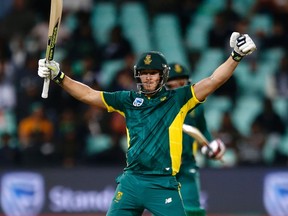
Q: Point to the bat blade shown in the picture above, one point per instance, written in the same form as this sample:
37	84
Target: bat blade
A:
54	24
196	134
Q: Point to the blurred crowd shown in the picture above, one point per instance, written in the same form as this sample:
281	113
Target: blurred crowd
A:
60	131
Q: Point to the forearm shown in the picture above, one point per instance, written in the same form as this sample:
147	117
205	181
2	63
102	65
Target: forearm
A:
223	73
208	85
82	92
76	89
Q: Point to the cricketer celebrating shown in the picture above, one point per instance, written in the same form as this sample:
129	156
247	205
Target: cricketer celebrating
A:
188	175
154	118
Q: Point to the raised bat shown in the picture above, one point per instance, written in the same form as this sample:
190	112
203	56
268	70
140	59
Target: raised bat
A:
54	24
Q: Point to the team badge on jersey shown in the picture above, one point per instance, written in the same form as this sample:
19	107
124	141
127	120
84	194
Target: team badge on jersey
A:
118	196
138	102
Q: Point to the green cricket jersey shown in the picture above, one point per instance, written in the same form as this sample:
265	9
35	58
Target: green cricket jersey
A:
154	127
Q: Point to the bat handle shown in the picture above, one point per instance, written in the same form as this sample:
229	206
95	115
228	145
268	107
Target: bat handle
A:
45	88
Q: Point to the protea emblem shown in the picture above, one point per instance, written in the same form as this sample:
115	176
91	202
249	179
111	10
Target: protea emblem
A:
178	68
147	60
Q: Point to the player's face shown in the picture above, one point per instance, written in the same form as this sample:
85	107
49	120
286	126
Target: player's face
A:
173	84
150	79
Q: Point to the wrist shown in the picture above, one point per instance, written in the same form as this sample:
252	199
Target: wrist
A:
59	78
236	56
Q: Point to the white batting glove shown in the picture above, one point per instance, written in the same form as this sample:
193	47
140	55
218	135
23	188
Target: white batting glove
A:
242	45
215	150
51	70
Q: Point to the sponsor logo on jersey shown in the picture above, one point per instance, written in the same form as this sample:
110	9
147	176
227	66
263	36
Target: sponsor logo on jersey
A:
276	193
138	102
168	200
22	193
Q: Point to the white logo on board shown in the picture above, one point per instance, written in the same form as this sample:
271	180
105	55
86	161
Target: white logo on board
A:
22	194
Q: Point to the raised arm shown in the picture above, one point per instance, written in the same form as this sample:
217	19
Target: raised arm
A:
76	89
242	45
206	86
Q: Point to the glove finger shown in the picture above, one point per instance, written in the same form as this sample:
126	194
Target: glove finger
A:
241	41
244	47
217	149
42	62
250	45
222	149
204	150
42	75
43	72
52	65
233	39
249	49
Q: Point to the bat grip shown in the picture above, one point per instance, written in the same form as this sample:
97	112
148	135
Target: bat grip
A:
45	88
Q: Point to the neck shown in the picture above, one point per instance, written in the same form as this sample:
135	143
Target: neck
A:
150	95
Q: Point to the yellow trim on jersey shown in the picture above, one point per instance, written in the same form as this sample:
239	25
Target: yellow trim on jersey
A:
195	147
128	137
175	134
175	140
110	108
195	98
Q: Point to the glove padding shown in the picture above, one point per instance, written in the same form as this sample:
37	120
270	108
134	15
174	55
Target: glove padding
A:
215	150
242	45
51	70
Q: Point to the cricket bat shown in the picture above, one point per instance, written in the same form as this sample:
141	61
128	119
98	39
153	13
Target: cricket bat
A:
54	24
196	134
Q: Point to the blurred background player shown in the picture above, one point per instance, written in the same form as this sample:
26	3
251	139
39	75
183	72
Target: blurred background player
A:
188	175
